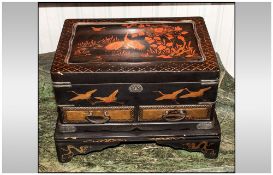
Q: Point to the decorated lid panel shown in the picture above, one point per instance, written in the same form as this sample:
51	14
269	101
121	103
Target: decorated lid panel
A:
134	42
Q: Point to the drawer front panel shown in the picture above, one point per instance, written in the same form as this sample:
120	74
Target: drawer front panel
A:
177	93
135	94
84	95
97	115
174	113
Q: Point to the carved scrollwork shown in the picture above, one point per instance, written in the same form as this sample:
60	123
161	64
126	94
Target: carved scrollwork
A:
67	152
70	150
203	146
209	149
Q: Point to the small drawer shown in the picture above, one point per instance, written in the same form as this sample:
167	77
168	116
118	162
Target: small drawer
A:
98	115
174	113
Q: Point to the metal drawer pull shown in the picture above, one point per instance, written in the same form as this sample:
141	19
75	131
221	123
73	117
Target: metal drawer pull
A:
98	119
174	115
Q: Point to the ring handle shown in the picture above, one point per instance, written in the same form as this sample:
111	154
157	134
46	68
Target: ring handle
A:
174	115
96	119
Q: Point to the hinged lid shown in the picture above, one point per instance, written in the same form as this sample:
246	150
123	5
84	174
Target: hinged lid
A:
135	46
130	41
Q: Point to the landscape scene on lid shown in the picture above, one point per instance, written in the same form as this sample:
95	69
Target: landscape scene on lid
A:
135	42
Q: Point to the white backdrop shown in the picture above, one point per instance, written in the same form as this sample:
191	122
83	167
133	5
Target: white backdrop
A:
219	20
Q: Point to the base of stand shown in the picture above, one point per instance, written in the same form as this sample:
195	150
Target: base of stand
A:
206	141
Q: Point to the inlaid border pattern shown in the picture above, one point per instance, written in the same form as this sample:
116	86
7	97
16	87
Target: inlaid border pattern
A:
210	63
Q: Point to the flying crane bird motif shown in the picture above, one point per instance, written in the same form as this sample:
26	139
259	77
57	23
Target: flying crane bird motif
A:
84	96
98	29
192	94
171	96
109	99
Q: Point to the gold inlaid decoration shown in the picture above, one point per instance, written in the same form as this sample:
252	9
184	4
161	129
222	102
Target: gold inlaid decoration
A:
173	95
104	140
109	99
163	40
202	146
126	44
165	138
72	151
85	96
192	94
112	98
70	27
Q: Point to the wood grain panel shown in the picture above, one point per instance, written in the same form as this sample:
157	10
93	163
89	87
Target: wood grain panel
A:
115	114
155	113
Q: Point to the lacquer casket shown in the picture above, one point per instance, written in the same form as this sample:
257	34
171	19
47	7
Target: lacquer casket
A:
128	80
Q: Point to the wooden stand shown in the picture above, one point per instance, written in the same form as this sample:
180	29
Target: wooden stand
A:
207	141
